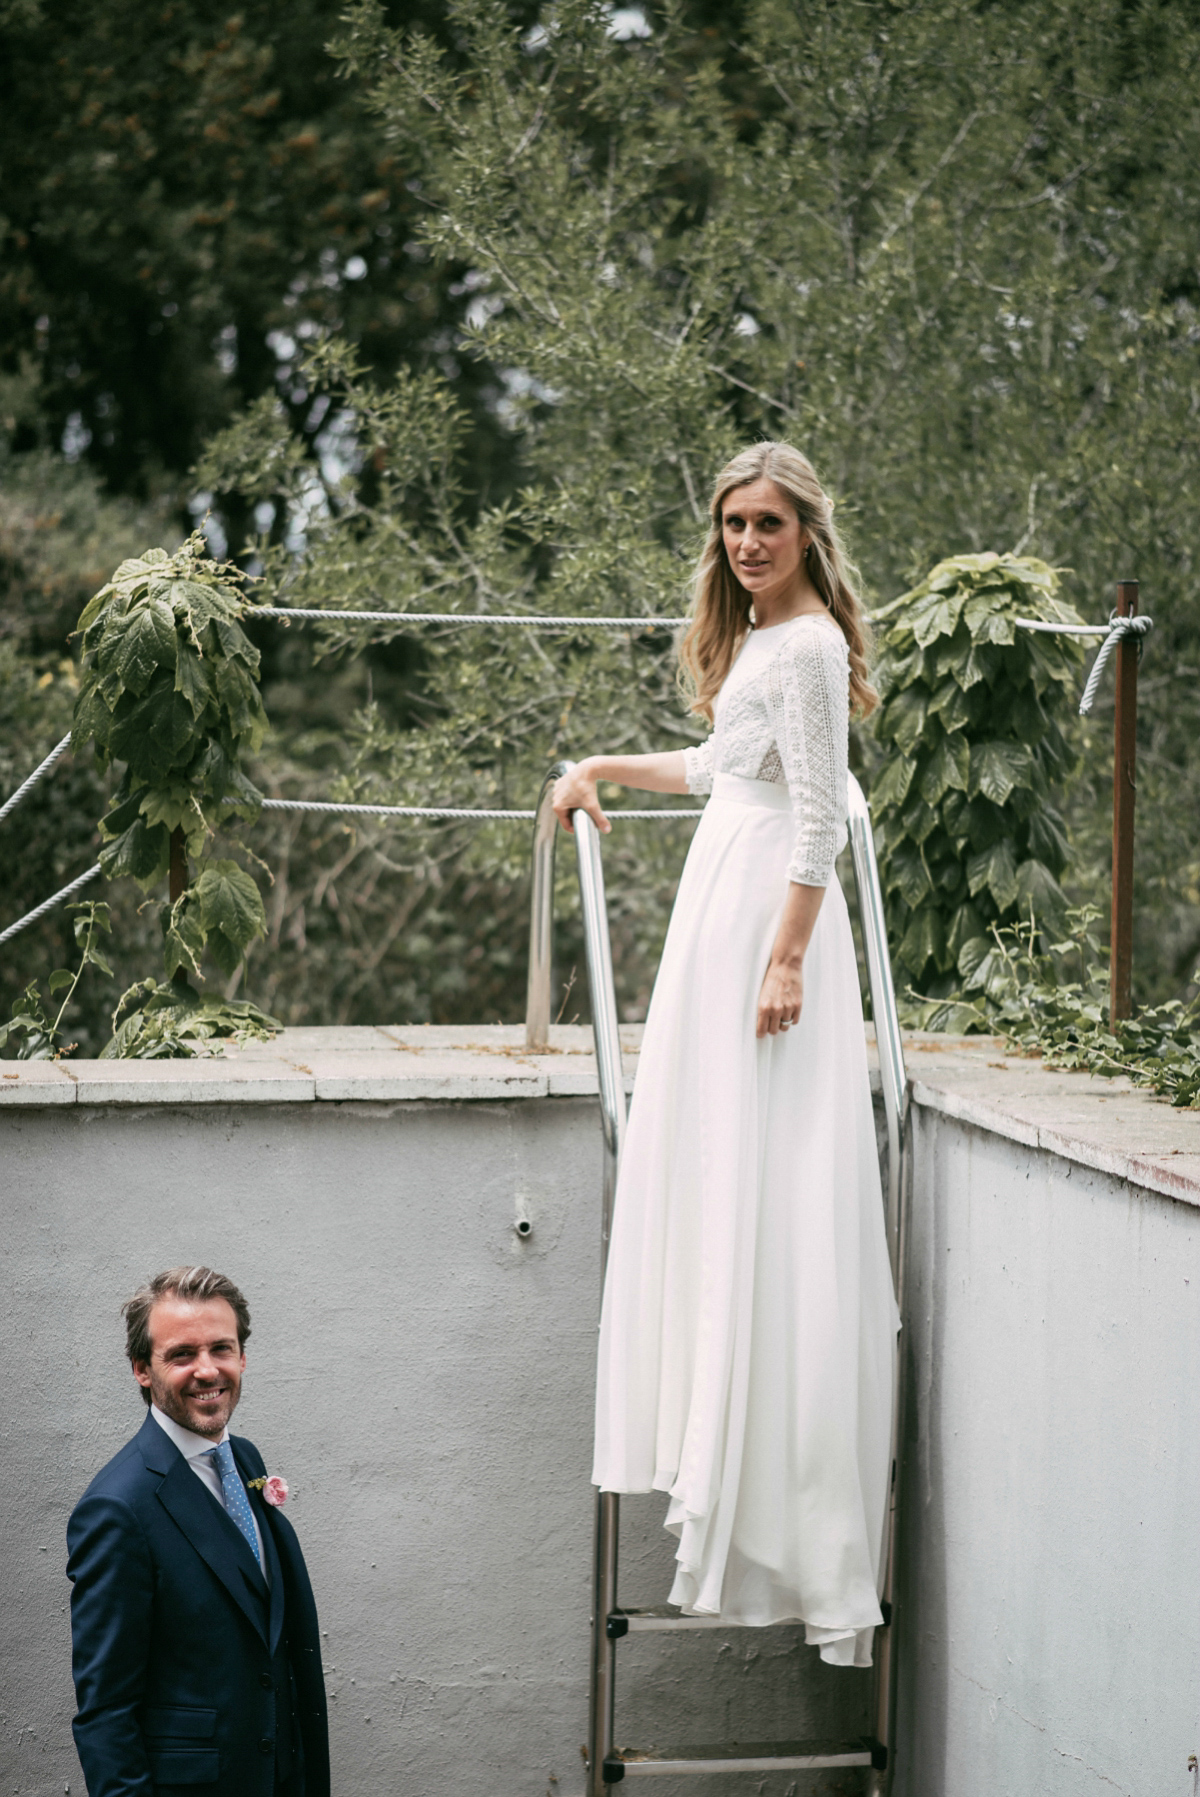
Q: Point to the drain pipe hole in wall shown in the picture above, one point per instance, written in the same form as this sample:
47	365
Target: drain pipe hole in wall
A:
524	1228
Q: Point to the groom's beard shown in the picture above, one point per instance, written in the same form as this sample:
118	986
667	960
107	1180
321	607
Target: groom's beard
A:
204	1409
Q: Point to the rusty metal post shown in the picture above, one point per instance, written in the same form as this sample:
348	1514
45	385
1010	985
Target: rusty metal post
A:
1124	793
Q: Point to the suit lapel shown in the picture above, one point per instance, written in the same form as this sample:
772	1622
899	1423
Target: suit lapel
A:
245	1455
266	1524
217	1540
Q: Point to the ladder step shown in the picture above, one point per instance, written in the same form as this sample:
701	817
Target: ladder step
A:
663	1619
741	1756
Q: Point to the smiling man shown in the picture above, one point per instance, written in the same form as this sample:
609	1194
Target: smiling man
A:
196	1649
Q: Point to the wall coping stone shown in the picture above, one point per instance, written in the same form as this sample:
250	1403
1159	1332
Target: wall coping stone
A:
1107	1125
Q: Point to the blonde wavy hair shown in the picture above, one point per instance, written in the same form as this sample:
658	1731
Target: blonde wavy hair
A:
721	604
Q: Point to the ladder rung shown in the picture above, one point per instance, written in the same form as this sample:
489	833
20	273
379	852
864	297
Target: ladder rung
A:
739	1756
662	1619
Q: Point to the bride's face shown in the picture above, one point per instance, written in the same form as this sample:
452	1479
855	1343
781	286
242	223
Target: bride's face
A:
764	539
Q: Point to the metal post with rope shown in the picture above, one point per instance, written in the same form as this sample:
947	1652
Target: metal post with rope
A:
1124	634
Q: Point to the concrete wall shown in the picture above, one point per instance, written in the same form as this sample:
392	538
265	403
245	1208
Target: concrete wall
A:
1051	1541
421	1376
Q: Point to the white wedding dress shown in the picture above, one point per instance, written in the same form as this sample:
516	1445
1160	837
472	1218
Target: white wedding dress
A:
749	1322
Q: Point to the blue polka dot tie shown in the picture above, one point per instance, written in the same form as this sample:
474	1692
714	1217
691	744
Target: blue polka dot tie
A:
236	1501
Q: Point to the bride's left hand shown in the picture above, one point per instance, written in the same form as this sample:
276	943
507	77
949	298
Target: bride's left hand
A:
781	999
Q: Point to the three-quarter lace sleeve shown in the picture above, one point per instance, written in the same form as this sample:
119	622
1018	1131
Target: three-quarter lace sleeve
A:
807	691
698	766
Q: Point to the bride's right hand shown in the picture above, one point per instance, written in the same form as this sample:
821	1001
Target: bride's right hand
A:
576	791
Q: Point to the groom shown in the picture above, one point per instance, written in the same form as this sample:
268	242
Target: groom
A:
196	1651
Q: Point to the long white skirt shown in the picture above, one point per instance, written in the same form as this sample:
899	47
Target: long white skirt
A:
749	1322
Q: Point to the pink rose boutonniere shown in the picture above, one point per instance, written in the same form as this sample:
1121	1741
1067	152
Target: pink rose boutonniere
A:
273	1488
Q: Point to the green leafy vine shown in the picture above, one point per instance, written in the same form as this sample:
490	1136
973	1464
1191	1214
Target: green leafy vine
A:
1050	998
973	720
39	1037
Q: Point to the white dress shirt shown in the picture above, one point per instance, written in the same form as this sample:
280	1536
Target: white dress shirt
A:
194	1447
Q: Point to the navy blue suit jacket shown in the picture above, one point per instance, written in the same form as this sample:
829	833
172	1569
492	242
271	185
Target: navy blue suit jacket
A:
188	1670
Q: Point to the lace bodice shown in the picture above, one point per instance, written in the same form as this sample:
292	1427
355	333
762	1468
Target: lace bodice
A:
783	715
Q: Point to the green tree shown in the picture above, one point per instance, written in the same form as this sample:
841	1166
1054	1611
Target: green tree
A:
926	243
946	248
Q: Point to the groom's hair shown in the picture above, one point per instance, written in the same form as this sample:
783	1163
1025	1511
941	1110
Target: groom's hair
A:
193	1284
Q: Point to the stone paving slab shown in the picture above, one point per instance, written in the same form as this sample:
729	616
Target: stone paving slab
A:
214	1080
35	1082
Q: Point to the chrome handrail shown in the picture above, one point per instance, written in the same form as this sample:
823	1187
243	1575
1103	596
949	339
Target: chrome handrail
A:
883	1002
894	1081
541	915
613	1112
601	987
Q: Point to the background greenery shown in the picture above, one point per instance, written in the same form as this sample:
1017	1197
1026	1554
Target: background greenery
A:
471	327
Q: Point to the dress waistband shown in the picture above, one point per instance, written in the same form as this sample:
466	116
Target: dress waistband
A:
768	793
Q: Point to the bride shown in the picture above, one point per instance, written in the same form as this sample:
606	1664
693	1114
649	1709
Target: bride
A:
749	1324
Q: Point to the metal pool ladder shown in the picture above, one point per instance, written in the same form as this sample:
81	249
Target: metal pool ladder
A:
610	1623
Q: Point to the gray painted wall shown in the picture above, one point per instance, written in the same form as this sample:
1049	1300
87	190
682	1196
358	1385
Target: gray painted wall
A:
1051	1539
422	1378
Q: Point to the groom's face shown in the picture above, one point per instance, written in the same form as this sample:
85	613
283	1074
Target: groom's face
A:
194	1373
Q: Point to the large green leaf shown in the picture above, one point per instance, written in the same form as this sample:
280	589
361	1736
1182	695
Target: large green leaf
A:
148	642
1038	888
994	871
93	718
919	819
891	788
948	768
938	616
140	853
905	870
923	940
239	694
231	908
950	706
121	814
1047	840
999	767
904	719
191	679
988	621
155	733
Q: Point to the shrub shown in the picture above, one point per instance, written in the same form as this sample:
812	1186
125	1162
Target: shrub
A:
169	687
972	722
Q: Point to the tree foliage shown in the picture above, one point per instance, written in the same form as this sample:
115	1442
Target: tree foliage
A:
920	249
947	248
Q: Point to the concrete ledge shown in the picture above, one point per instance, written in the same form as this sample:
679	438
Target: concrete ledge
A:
1107	1125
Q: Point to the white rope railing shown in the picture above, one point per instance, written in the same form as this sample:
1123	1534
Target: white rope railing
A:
446	812
288	614
49	904
1115	631
1118	629
27	786
449	811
